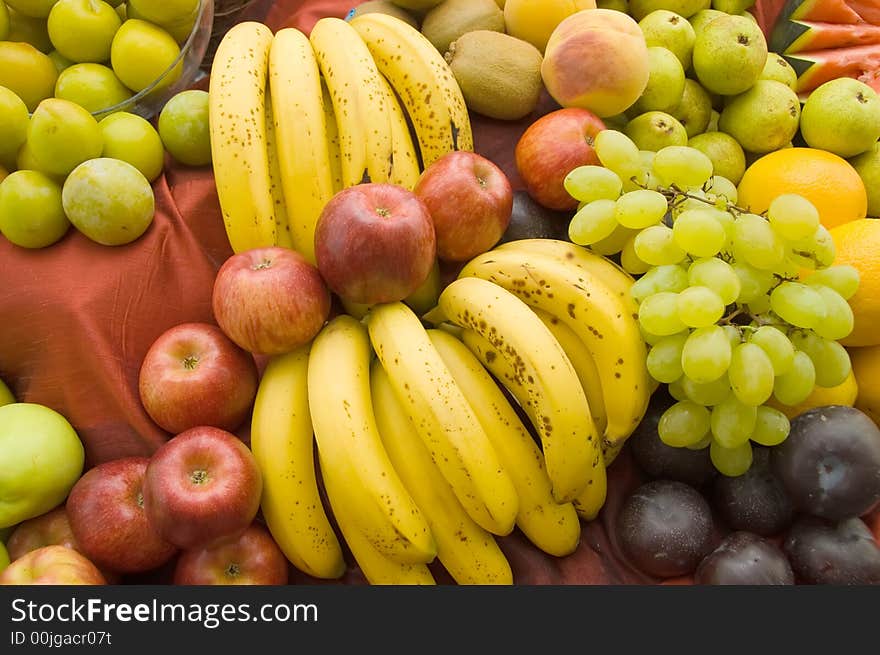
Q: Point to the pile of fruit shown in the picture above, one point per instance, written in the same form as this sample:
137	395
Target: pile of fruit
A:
425	360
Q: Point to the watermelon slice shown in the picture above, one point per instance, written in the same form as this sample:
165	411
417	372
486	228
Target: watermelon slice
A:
806	36
826	11
869	10
820	66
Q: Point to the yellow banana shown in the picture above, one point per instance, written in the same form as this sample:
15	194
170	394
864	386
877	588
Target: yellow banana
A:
282	225
591	499
595	313
404	159
378	569
350	445
443	417
468	552
555	400
332	140
300	122
237	123
424	82
362	113
553	527
283	444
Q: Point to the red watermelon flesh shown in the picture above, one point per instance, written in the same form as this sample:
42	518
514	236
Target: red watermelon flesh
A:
869	10
806	36
828	11
872	79
820	66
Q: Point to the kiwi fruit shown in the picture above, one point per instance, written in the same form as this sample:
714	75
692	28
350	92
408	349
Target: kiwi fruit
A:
385	7
452	18
499	75
419	6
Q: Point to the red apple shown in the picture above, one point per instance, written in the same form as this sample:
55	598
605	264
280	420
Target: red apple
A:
106	512
270	300
550	148
193	374
252	559
49	529
202	486
52	565
375	243
470	201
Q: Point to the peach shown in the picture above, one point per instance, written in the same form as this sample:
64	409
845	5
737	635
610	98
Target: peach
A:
596	59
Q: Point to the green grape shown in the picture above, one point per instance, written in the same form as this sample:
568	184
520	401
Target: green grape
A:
589	183
133	139
31	214
594	222
724	191
664	358
92	86
753	282
14	119
702	444
630	260
715	274
760	305
699	307
697	232
751	374
793	217
733	334
843	278
816	251
756	243
798	304
141	53
731	462
656	246
706	354
82	30
62	135
695	199
682	166
733	422
649	338
685	423
617	152
707	393
839	319
676	390
183	127
776	345
614	243
789	268
670	277
794	387
640	209
830	359
658	314
771	427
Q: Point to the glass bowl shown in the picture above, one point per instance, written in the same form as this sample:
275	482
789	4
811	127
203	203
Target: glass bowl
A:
148	102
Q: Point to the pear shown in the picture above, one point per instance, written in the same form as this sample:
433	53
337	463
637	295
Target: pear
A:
695	108
764	118
638	9
867	165
616	5
672	31
728	158
703	17
777	68
732	6
842	116
729	54
654	130
665	82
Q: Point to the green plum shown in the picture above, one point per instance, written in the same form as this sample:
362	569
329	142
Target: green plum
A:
31	213
93	87
134	140
183	126
62	135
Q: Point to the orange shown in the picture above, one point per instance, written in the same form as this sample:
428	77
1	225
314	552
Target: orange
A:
823	178
857	243
866	366
844	393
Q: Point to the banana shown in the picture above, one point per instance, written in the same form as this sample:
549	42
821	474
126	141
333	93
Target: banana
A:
282	442
301	127
584	365
350	445
362	113
591	499
595	313
553	527
378	569
332	140
468	552
404	159
443	417
424	82
237	124
282	225
555	399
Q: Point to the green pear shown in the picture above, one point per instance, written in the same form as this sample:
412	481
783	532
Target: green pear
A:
616	5
777	68
654	130
842	116
728	158
638	9
672	31
703	17
695	108
732	6
764	118
665	82
867	165
729	54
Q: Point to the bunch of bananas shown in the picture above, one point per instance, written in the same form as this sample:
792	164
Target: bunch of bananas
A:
425	434
295	119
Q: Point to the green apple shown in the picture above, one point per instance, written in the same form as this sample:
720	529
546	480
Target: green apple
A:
672	31
695	108
654	130
842	116
6	397
867	165
764	118
42	457
777	68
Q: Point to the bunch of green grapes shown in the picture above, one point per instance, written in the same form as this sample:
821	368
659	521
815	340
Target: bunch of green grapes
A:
736	308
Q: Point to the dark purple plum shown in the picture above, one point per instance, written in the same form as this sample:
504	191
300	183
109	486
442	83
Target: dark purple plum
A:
665	528
755	501
830	462
745	558
834	553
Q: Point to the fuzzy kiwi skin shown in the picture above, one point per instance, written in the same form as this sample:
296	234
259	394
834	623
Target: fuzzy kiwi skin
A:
452	18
